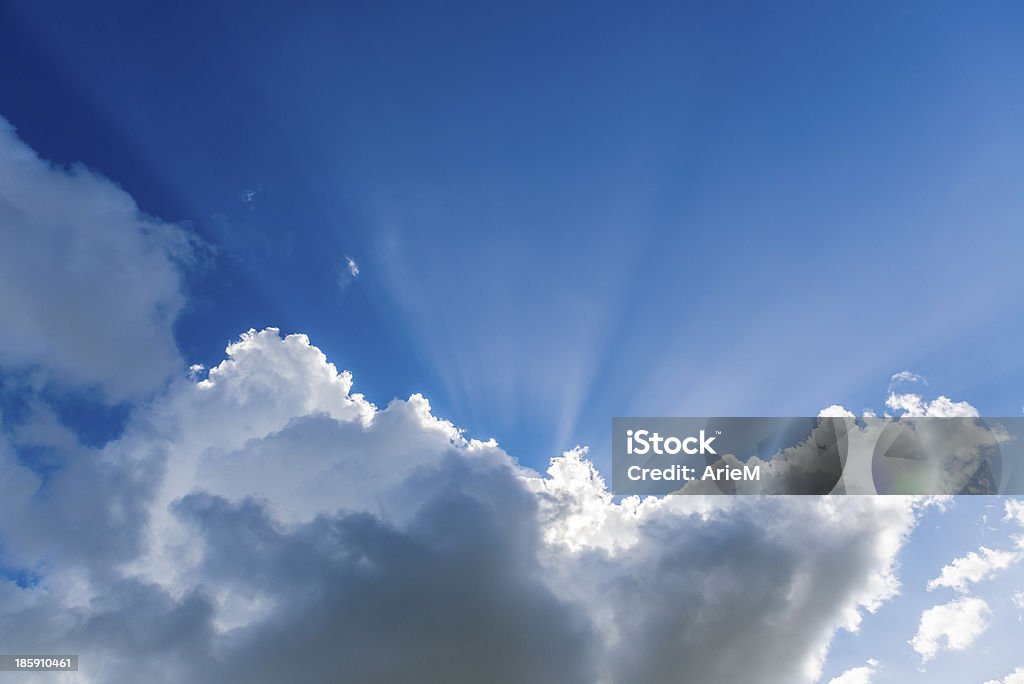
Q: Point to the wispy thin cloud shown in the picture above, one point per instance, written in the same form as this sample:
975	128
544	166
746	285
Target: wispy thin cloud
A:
348	272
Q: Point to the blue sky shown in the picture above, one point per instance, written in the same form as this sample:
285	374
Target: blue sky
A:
539	218
564	214
974	522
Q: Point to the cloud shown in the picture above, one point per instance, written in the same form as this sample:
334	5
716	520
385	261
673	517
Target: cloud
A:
857	675
91	286
913	405
953	626
905	377
1014	509
744	572
1018	599
349	272
836	411
456	595
63	504
974	567
1015	677
269	515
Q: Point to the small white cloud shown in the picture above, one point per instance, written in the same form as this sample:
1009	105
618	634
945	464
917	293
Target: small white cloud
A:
974	567
1015	677
1018	599
905	376
1014	511
836	411
250	195
857	675
953	626
348	272
195	371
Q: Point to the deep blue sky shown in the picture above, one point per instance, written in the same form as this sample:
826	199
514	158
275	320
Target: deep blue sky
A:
567	213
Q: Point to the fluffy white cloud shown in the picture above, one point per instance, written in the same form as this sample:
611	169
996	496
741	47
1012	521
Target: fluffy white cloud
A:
1014	509
857	675
980	565
268	515
954	626
913	405
974	567
836	411
1015	677
90	285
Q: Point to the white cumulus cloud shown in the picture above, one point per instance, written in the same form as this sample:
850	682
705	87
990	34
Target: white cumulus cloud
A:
953	626
857	675
914	405
268	511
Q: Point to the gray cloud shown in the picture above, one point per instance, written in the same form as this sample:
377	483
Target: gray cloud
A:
457	596
91	285
751	596
266	523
